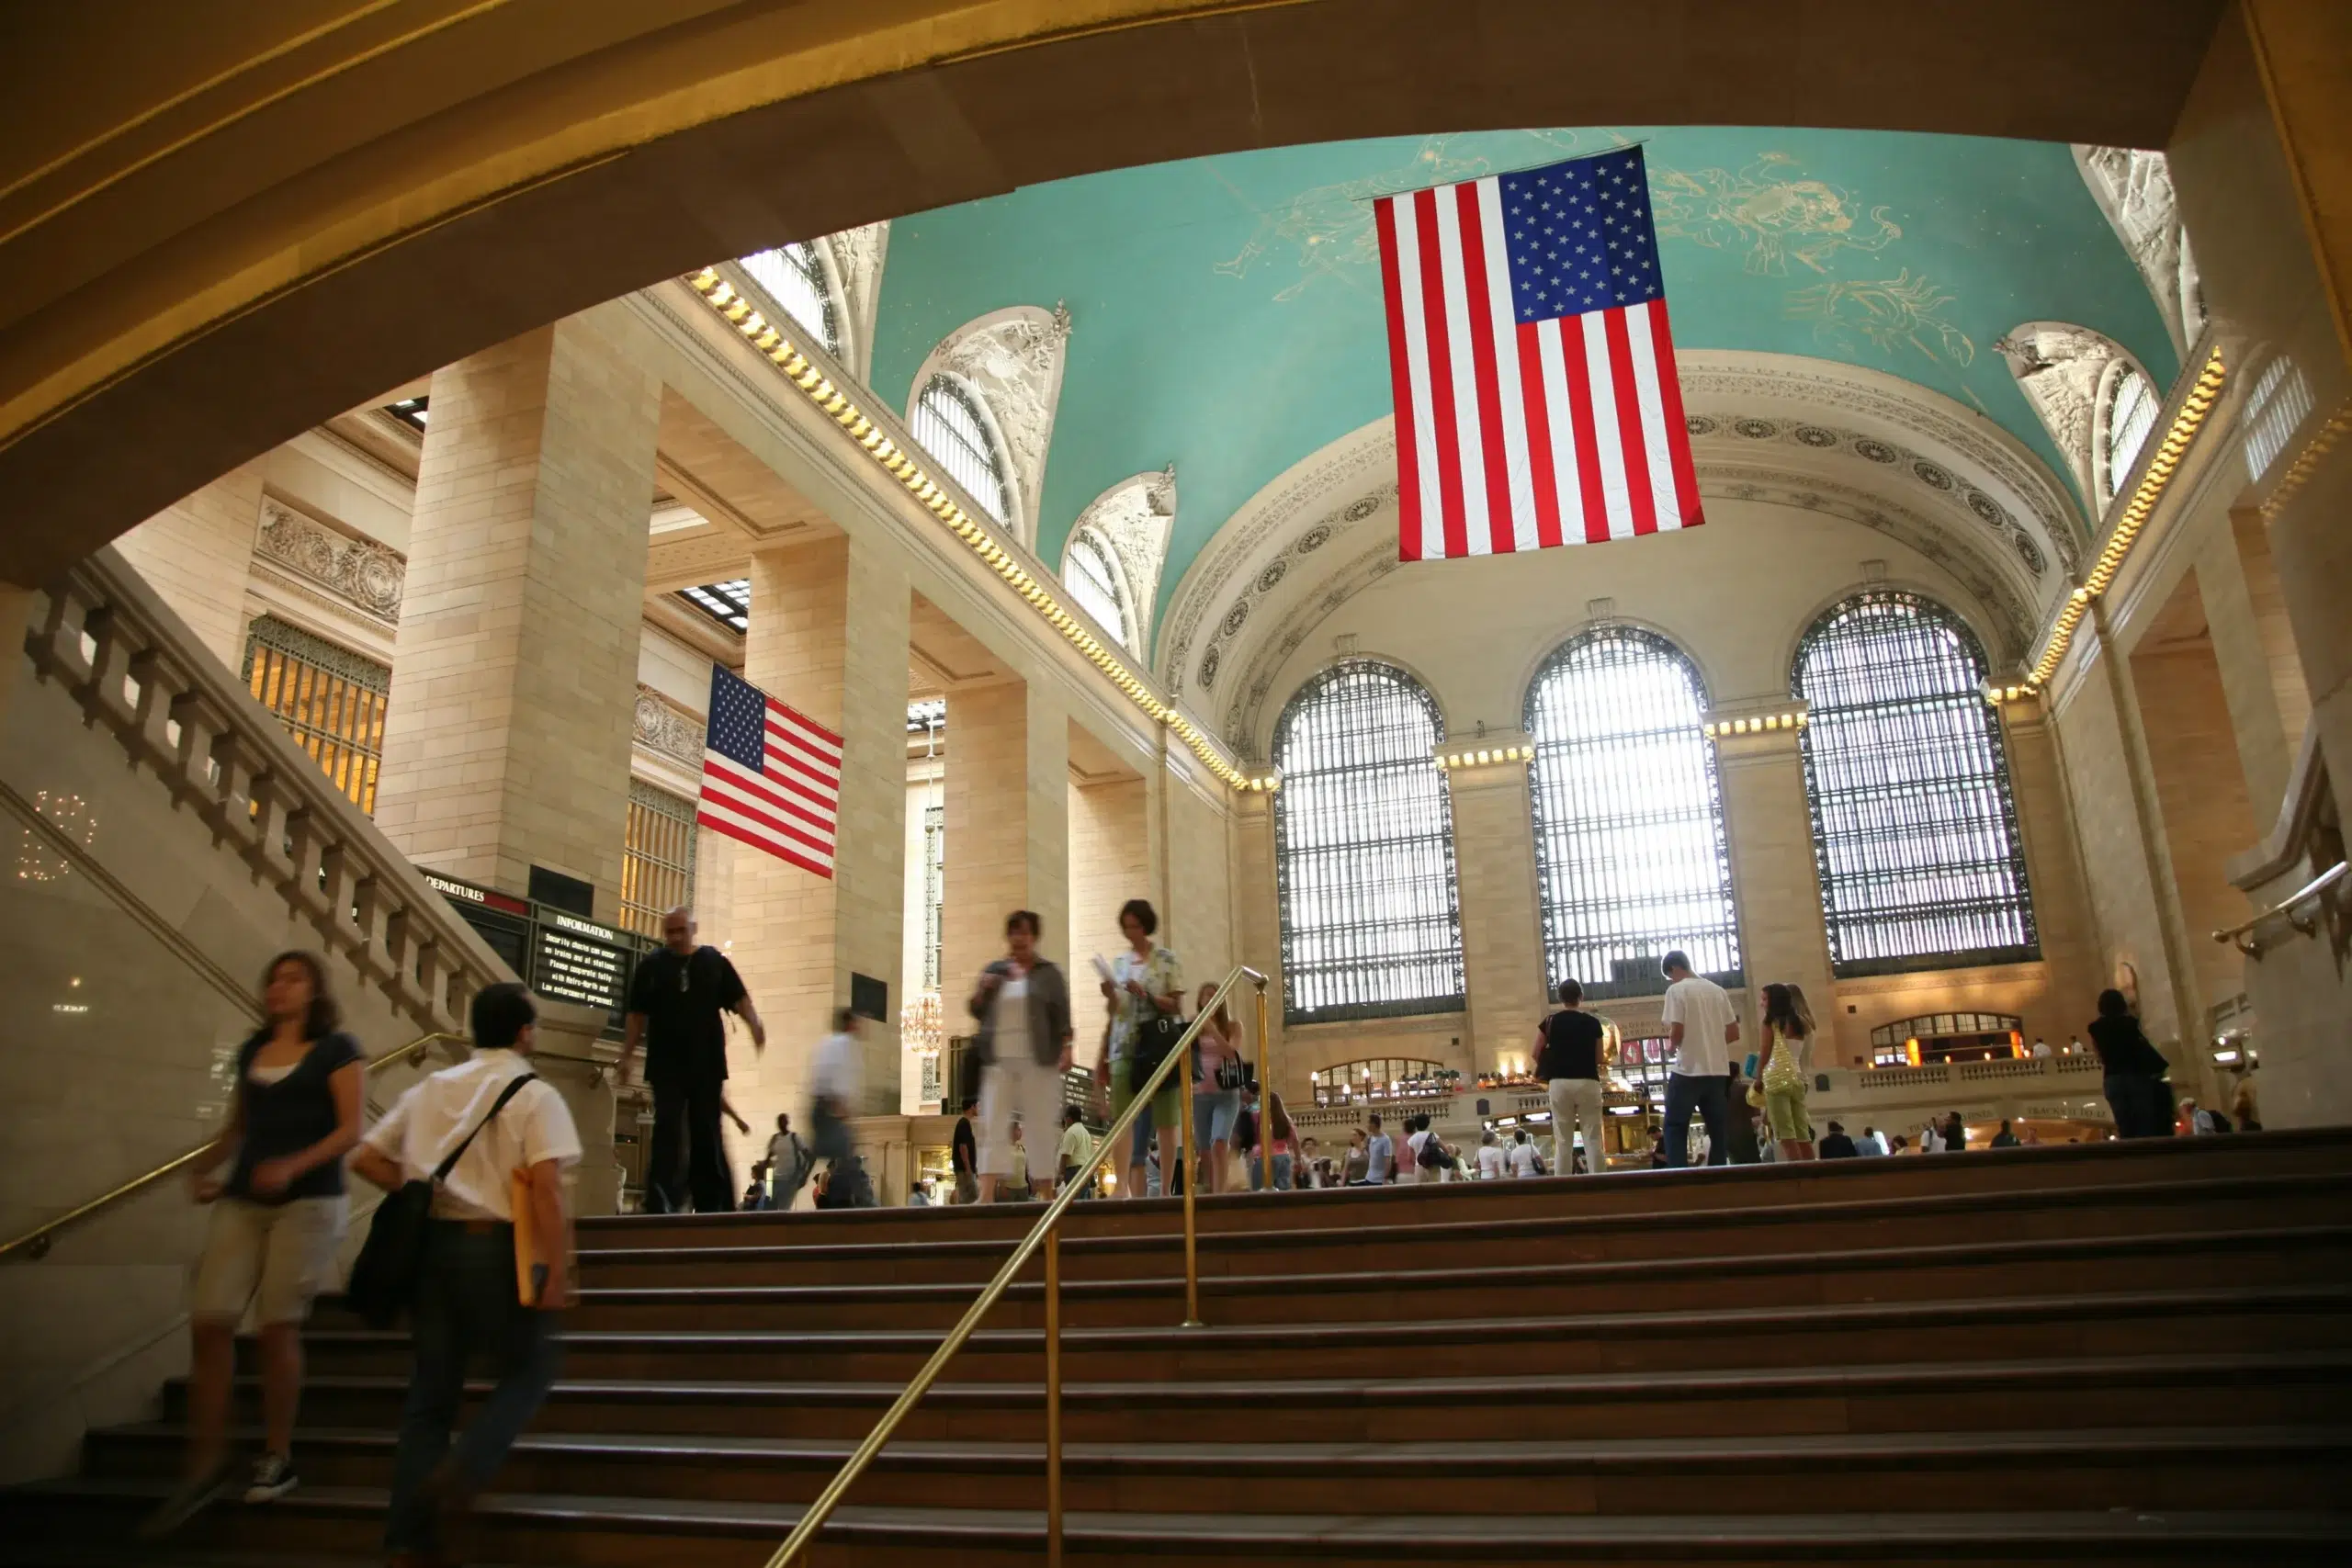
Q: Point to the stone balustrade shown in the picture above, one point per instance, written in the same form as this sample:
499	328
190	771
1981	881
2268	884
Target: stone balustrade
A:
139	673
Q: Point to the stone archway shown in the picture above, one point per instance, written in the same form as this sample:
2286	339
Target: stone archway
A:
243	230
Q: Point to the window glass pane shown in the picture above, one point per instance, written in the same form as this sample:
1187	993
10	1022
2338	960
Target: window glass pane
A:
1914	830
329	699
1093	582
795	279
2129	420
658	857
951	429
1630	856
1364	835
728	603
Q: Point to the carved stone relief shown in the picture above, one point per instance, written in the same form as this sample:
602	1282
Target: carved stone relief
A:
669	730
1013	360
857	255
2134	189
1135	517
368	576
2058	367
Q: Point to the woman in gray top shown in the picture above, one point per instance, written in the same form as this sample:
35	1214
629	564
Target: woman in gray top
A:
1023	1046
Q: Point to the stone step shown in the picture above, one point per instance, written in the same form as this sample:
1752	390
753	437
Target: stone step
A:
2136	1467
621	1532
2145	1208
2144	1322
2249	1389
1404	1290
1619	1192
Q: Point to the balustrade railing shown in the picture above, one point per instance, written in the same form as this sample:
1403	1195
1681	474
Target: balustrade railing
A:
139	673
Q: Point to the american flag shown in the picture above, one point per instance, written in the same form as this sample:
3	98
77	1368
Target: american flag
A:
1536	398
770	776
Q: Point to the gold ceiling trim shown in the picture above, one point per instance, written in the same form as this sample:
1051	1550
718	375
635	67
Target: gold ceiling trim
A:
895	460
2134	517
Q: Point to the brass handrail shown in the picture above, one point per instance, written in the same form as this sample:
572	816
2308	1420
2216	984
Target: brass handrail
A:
812	1521
2311	889
36	1242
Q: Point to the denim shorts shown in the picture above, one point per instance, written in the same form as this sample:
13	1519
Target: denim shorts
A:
1213	1114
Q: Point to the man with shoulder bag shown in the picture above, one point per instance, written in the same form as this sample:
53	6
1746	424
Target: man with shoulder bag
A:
493	1269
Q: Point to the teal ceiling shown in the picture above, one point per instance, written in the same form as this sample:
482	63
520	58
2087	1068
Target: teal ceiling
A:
1227	312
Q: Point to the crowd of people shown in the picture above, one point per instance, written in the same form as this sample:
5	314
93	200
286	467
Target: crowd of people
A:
484	1145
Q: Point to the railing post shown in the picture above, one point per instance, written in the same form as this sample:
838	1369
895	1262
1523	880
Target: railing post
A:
1182	1077
1054	1398
1266	1100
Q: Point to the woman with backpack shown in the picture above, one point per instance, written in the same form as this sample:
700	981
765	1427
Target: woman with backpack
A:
277	1218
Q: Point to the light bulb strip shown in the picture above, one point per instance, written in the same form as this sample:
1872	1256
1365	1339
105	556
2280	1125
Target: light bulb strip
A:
1483	757
796	368
1756	723
2299	472
2169	453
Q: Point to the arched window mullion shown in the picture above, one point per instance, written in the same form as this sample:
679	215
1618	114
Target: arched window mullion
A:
948	425
1915	826
795	278
1363	830
1631	854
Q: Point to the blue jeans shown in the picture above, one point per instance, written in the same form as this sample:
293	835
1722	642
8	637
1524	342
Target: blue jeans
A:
1705	1093
465	1304
1257	1173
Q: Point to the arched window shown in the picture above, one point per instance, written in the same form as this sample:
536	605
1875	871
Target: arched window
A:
1364	850
796	279
1095	580
1630	856
949	424
2131	416
1914	832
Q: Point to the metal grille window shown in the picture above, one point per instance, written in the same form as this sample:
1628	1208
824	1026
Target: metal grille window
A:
2131	416
948	423
934	891
1630	856
1094	581
329	698
1914	830
1364	850
657	858
795	279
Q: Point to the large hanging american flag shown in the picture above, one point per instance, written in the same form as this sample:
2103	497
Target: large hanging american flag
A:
770	776
1536	398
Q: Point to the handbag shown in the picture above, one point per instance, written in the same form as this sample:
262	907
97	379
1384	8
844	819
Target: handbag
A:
383	1277
1154	1038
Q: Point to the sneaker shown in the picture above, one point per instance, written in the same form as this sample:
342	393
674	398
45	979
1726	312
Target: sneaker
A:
273	1478
190	1498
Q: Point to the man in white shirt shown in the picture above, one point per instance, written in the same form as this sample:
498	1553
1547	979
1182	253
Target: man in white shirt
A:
789	1163
836	1089
467	1293
1699	1019
2041	1049
1525	1161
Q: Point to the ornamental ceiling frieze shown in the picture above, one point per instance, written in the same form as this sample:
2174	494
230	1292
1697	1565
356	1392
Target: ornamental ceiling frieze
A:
356	572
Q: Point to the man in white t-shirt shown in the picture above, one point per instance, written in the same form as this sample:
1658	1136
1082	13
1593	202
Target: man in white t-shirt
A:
1525	1159
466	1292
1699	1019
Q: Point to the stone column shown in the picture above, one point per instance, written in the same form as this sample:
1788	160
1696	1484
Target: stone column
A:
197	554
1007	829
2238	585
2054	870
1258	933
1775	880
1502	948
1110	862
827	637
507	733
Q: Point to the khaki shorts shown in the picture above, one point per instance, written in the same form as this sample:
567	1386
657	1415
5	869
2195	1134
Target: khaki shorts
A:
283	1253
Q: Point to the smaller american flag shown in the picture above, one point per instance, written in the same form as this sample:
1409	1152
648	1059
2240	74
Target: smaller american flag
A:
770	776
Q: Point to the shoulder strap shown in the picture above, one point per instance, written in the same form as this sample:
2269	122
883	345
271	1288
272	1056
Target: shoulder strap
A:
441	1172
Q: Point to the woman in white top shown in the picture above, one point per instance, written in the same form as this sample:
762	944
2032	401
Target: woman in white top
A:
1524	1159
1491	1163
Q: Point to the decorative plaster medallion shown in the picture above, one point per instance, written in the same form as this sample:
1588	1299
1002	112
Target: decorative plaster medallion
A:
361	572
2060	368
